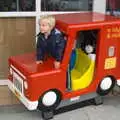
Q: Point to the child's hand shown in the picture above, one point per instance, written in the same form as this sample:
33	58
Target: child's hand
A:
57	65
39	62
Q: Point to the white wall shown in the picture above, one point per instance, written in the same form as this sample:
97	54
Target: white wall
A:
99	6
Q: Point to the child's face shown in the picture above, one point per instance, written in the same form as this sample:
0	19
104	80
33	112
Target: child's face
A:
44	26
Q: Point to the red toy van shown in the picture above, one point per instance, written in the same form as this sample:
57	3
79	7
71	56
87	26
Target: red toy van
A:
89	69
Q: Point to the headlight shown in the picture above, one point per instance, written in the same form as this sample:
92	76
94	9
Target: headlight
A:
11	71
118	82
25	84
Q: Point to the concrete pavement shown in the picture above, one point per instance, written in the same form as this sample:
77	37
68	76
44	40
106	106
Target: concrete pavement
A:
109	110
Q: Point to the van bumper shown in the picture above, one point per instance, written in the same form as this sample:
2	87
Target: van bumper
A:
30	105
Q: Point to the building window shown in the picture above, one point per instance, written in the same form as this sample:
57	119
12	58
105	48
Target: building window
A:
66	5
17	5
113	7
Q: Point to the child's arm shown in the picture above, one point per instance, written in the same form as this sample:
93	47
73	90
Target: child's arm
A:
60	45
39	52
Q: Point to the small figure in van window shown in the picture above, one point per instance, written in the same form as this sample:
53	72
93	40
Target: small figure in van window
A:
50	41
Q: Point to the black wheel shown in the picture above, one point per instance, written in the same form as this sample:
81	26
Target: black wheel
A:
46	115
49	100
106	85
98	100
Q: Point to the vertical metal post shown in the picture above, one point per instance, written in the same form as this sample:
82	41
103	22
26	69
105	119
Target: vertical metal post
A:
17	2
38	11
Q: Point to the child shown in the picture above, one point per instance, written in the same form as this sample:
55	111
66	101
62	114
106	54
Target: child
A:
50	41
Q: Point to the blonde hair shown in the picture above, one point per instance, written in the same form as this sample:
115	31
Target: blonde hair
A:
50	18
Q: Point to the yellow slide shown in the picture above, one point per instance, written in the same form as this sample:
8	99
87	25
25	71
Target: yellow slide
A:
82	73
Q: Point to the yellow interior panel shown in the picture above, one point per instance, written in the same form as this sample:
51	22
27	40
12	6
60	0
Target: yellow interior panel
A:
82	73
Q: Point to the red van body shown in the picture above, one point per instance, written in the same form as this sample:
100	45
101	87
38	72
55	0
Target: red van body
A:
30	81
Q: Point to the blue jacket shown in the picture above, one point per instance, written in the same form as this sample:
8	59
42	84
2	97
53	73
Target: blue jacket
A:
54	45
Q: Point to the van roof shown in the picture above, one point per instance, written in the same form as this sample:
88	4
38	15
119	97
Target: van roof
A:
75	20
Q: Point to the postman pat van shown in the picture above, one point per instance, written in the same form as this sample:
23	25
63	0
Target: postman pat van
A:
89	68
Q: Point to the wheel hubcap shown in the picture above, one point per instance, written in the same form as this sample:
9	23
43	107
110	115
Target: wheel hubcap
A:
49	98
106	83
